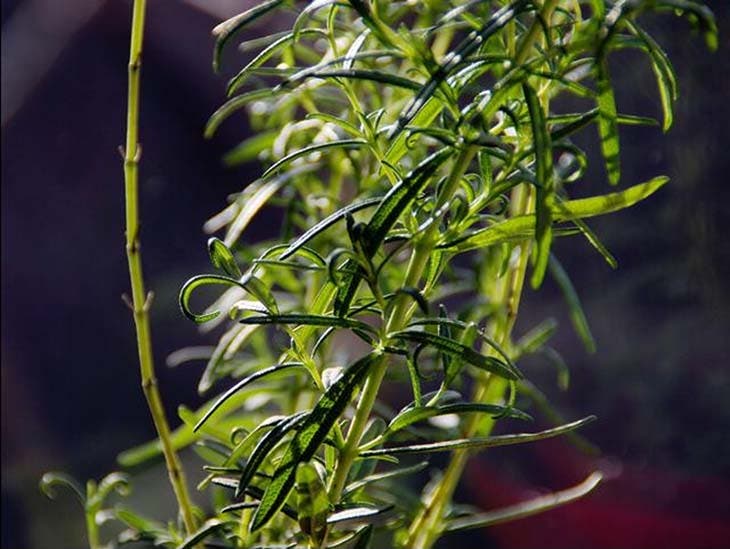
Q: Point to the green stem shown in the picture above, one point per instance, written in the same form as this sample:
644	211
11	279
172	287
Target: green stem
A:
92	530
529	39
140	299
398	319
428	526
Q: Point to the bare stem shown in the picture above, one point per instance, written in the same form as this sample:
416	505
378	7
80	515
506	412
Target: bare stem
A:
140	299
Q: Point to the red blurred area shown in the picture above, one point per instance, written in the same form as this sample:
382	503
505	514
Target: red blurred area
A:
635	507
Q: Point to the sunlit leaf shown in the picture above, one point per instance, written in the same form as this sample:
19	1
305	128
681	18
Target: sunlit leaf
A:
267	443
222	258
520	227
477	443
415	414
379	477
312	503
272	370
208	528
526	508
342	144
459	350
545	191
465	48
309	437
229	28
608	124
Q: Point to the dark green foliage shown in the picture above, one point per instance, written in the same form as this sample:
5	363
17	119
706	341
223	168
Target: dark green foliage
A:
429	129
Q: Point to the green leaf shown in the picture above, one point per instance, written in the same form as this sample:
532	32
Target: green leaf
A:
545	191
249	149
574	122
240	79
380	477
229	28
477	443
702	16
596	242
188	354
344	125
313	6
196	282
378	77
357	515
464	326
398	198
275	369
50	481
228	345
310	320
466	47
577	316
526	508
256	287
342	144
663	71
267	443
415	377
387	213
411	415
249	283
312	503
425	118
327	222
218	431
583	208
454	348
447	362
253	199
252	491
243	446
608	124
555	418
537	337
209	527
312	433
520	227
139	524
232	105
113	482
222	258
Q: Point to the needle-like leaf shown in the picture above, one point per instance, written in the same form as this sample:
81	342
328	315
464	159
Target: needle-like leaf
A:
229	28
311	434
477	443
461	351
526	508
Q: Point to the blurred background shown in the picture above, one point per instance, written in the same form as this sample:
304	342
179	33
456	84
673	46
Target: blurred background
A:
660	382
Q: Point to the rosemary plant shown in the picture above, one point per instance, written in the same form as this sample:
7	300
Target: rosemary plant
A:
420	155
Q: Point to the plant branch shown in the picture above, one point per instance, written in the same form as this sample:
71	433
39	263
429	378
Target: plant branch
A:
140	299
398	319
429	524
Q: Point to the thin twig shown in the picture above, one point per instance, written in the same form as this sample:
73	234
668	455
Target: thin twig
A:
140	298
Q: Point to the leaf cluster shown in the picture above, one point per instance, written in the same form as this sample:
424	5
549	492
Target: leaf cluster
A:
415	155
